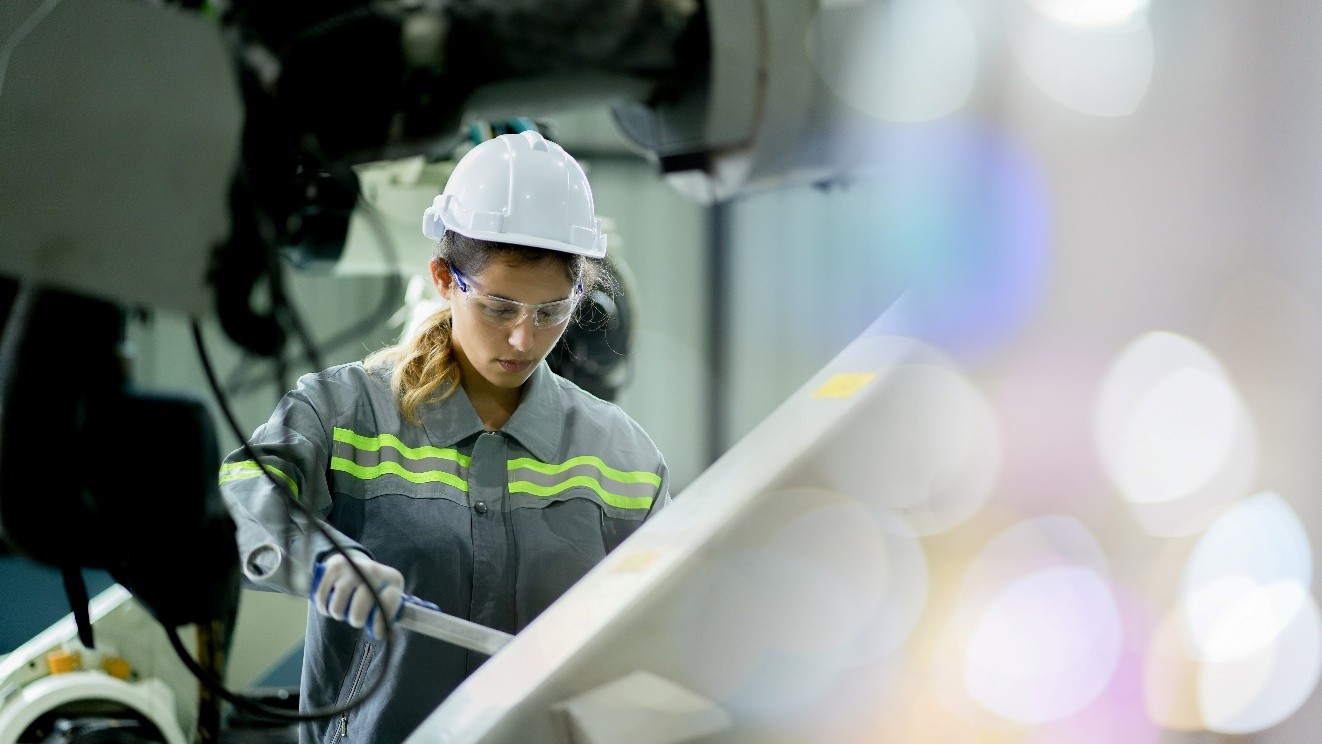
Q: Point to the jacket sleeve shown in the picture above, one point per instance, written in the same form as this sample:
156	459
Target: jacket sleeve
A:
663	492
279	506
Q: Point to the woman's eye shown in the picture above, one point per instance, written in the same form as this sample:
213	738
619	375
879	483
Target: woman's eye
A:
498	311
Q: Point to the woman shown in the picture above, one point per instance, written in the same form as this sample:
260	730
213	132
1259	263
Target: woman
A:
455	466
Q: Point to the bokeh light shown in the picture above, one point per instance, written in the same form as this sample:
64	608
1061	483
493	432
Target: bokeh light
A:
859	581
925	445
1173	434
1170	678
1234	695
1036	633
1181	430
1094	58
1246	579
903	60
1118	713
1241	649
962	218
1263	688
1091	13
1028	547
1046	646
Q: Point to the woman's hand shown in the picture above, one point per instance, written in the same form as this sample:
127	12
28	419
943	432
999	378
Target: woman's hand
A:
338	591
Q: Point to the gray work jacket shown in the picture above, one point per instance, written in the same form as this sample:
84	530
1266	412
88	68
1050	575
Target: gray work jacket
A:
490	526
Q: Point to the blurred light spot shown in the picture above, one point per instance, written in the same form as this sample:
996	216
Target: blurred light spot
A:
1246	580
1170	678
1180	432
1090	13
1263	688
1100	71
925	444
1029	547
923	717
1237	618
812	589
959	214
1242	650
1118	713
1032	612
1046	647
948	669
1173	434
903	60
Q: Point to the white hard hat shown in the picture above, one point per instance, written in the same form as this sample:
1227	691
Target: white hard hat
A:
522	189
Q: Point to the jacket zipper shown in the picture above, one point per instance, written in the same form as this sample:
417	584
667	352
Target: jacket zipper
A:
342	731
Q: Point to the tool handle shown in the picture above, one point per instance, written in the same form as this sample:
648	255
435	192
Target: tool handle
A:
421	616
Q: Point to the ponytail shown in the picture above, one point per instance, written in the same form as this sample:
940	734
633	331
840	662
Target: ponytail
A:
425	368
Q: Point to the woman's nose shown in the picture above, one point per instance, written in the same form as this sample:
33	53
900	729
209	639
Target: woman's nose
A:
521	333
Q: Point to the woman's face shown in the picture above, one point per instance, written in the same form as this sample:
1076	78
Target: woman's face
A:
503	357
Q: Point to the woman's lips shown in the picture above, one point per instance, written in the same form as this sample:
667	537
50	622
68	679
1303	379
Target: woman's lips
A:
513	365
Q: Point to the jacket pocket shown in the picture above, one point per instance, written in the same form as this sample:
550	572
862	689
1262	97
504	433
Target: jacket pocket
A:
339	728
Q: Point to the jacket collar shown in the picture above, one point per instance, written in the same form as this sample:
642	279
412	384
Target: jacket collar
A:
536	423
450	421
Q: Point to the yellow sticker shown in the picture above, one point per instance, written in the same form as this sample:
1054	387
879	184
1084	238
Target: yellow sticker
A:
843	385
636	561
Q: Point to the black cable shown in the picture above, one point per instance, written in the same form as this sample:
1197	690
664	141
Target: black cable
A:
76	590
251	705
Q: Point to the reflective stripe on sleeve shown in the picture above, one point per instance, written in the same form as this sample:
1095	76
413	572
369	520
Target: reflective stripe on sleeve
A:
233	471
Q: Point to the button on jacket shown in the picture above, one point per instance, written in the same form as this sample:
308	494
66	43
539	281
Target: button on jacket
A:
491	526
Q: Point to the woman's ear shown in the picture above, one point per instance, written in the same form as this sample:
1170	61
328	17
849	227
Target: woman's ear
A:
441	277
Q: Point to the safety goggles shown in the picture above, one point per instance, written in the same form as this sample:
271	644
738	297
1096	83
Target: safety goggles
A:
504	313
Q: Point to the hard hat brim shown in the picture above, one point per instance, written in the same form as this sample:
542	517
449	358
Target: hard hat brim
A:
598	249
438	218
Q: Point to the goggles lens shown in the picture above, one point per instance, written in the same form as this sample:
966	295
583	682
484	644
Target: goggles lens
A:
504	313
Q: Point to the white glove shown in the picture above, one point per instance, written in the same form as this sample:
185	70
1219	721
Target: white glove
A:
339	593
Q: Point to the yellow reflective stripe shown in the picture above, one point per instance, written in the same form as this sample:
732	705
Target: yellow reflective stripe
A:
638	476
388	467
232	471
376	444
613	499
372	444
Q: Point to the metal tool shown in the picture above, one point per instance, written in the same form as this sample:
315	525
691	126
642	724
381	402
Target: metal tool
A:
421	616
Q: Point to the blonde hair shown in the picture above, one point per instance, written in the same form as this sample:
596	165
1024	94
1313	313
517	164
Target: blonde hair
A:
425	369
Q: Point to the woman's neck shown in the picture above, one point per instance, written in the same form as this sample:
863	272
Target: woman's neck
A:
494	405
494	410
